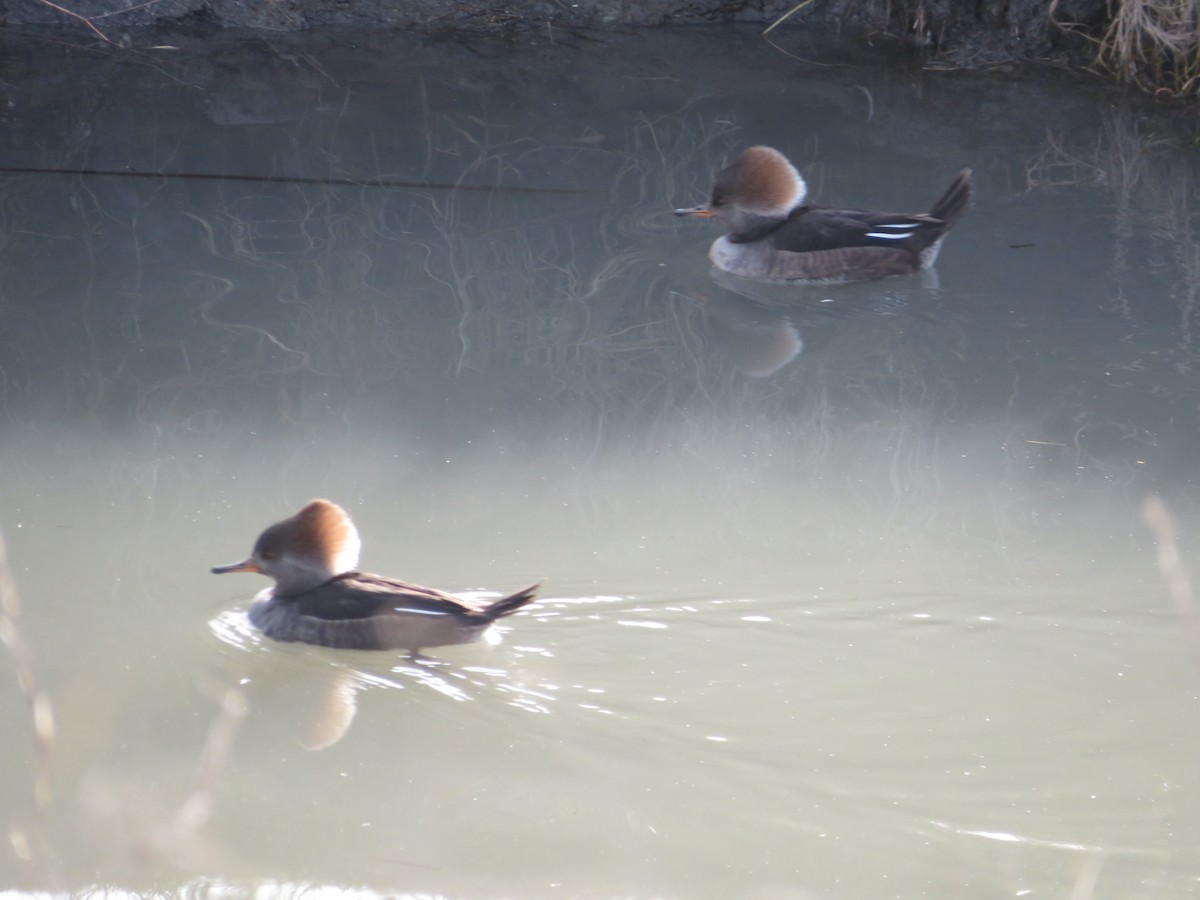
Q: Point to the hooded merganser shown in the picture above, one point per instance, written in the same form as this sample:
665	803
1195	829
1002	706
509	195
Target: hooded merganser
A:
318	598
775	237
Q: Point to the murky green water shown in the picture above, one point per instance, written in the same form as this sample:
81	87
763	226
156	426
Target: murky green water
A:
847	590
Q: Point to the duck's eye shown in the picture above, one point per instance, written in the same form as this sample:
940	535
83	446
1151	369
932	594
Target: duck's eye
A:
269	554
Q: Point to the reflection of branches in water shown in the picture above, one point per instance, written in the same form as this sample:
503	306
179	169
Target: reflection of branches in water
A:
308	291
1155	254
1056	166
1153	184
557	285
219	376
1150	182
310	305
1072	441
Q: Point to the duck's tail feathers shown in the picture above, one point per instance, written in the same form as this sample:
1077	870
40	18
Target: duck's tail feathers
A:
955	202
506	606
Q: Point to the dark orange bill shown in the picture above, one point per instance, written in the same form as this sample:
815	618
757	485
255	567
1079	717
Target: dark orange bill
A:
700	212
246	565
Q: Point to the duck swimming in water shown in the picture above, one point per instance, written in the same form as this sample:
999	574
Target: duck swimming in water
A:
774	236
318	598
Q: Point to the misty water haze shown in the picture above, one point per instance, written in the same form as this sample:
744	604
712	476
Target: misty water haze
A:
847	590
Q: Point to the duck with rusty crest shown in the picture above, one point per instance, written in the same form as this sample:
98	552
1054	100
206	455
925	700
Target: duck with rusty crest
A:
775	236
319	598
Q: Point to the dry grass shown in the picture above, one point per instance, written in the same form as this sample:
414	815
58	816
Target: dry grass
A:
1154	44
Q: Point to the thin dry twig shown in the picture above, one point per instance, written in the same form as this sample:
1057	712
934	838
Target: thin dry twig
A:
1179	584
40	709
787	15
82	18
197	807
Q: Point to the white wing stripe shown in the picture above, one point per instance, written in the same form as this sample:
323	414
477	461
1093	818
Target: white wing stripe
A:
418	612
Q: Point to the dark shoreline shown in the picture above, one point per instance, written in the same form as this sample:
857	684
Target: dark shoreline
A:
1150	45
950	31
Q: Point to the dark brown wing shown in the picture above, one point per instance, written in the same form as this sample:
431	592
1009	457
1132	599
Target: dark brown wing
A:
357	611
358	595
813	228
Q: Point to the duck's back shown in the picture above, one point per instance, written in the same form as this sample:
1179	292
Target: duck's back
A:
357	611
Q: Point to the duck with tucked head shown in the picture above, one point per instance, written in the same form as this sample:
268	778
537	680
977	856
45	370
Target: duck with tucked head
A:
774	236
318	598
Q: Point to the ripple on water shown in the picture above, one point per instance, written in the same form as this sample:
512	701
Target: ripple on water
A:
317	688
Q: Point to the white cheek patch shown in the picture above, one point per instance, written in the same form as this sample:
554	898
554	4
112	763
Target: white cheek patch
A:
347	557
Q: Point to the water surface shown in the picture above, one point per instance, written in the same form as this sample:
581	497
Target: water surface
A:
847	590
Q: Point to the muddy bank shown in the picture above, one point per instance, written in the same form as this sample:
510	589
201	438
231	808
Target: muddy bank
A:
959	33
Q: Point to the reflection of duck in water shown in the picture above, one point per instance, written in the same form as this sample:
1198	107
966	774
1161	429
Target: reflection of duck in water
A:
758	341
319	599
775	237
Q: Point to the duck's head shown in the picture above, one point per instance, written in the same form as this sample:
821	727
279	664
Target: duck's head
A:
305	550
757	190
